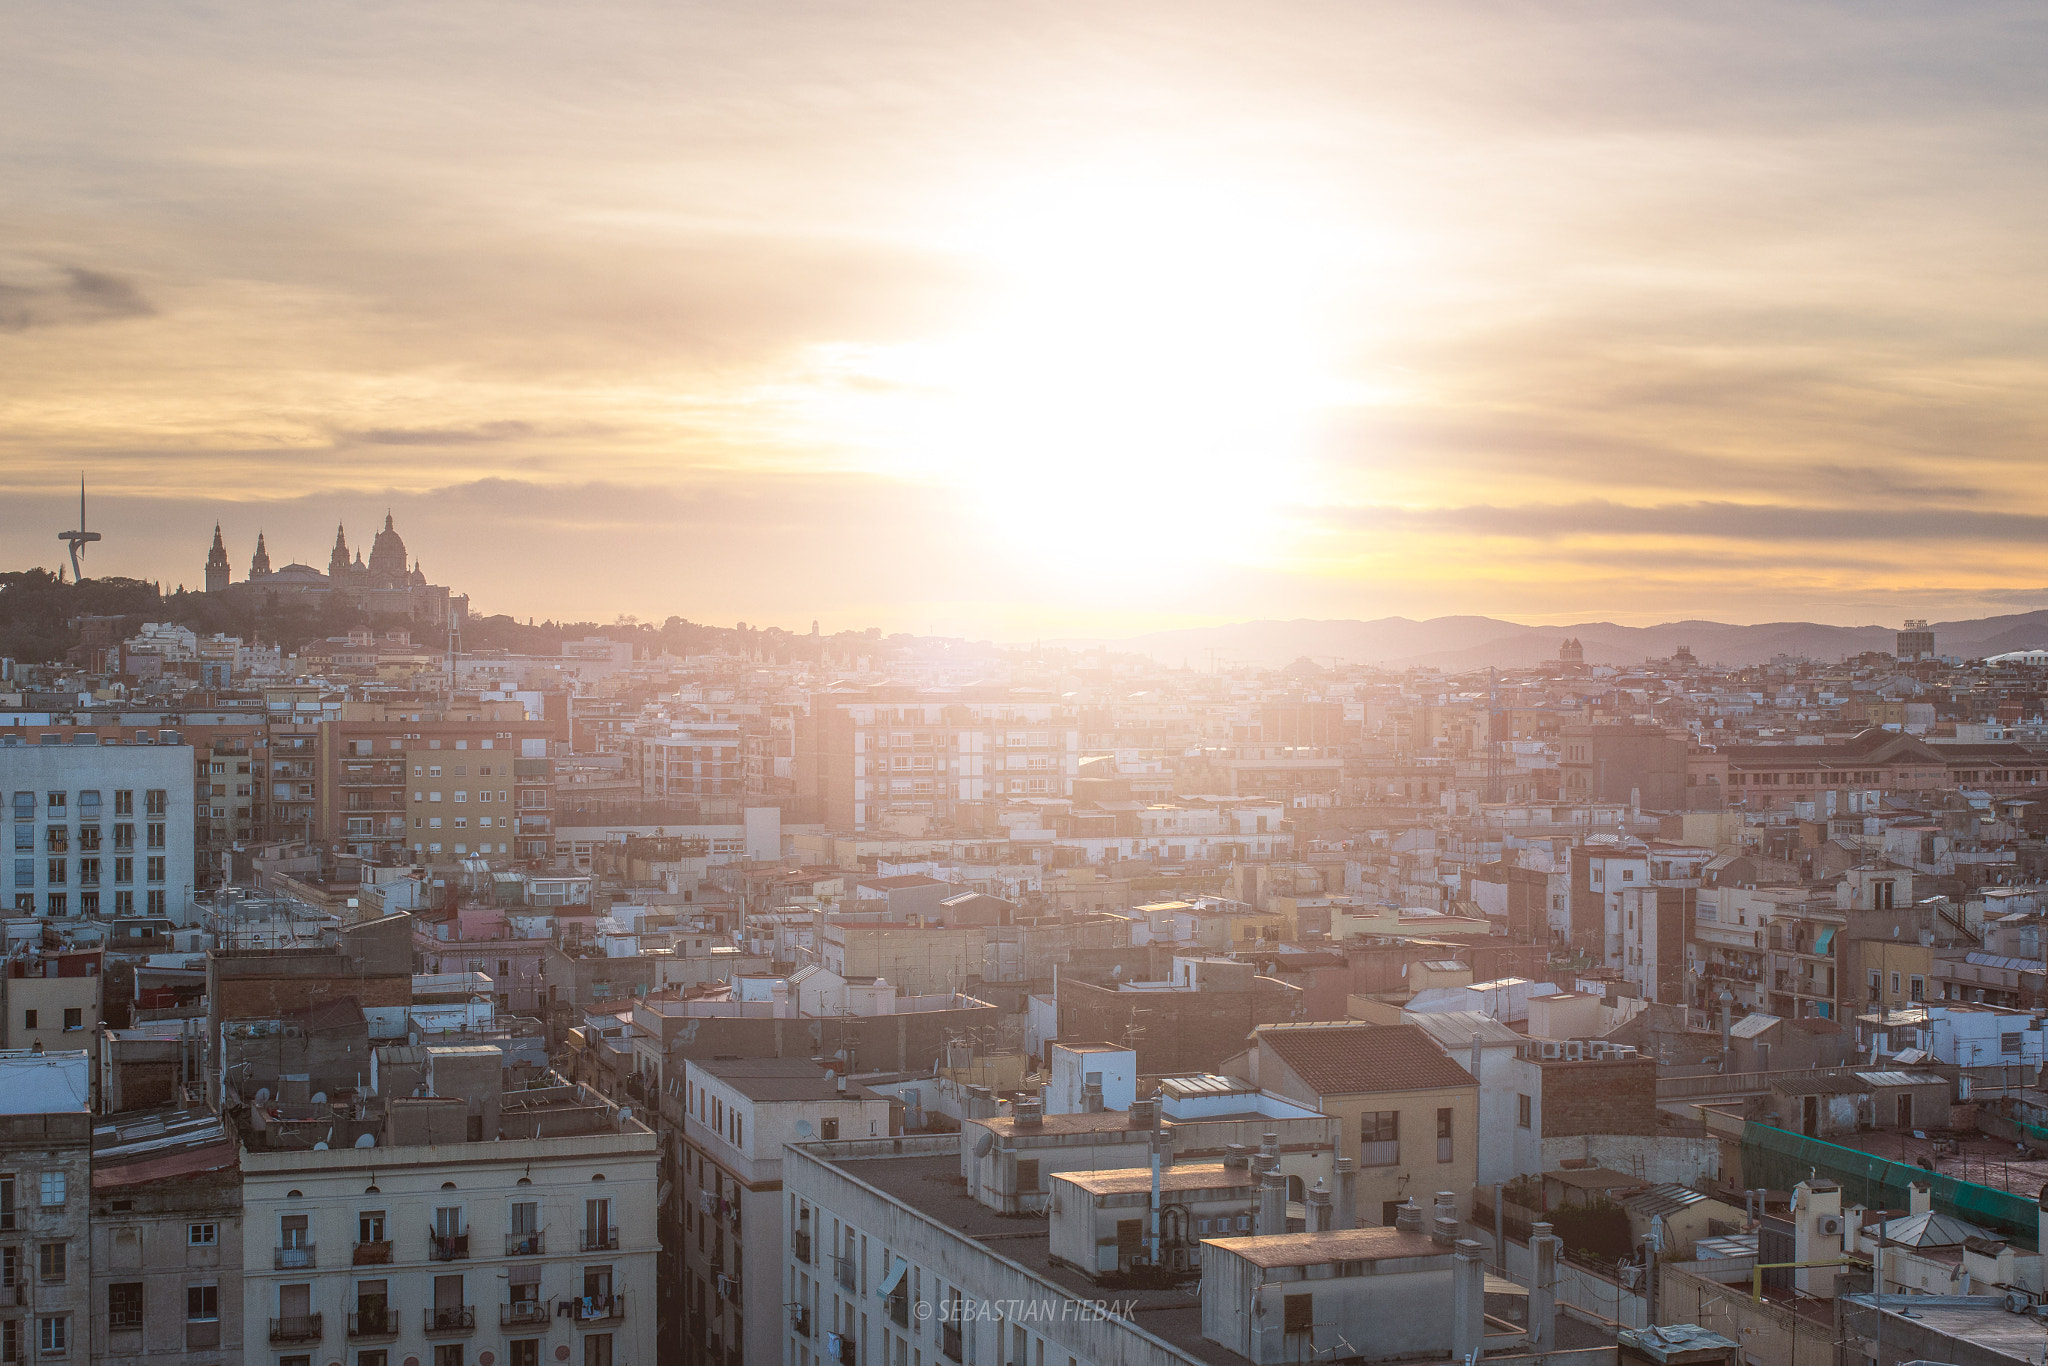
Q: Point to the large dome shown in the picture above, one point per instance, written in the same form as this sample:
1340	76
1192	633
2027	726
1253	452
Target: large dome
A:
387	555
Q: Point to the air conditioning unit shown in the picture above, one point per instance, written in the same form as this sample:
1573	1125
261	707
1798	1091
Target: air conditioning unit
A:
1574	1051
1551	1049
1829	1225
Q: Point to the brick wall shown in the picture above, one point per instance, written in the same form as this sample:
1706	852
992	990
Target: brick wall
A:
1607	1097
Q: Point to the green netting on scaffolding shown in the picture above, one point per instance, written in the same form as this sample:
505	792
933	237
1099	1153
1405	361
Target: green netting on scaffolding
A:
1777	1160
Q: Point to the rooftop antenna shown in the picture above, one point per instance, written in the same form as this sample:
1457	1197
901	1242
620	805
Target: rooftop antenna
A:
77	539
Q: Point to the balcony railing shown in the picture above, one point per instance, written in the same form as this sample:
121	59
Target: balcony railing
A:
447	1247
454	1318
842	1272
373	1323
295	1328
523	1313
801	1240
598	1308
525	1244
297	1258
949	1341
599	1240
373	1254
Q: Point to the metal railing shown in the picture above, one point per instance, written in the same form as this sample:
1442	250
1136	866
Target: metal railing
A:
598	1240
373	1323
372	1253
525	1244
295	1328
302	1258
598	1308
447	1247
523	1312
453	1318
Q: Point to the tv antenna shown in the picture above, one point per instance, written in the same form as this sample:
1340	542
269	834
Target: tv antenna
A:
77	539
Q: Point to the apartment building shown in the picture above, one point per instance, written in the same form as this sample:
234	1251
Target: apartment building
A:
166	1239
467	1225
364	786
46	1292
911	756
466	802
100	829
738	1114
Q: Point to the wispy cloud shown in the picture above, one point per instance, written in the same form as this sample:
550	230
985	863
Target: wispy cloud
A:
68	295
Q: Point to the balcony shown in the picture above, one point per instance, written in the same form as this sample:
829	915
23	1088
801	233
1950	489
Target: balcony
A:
373	1323
10	1295
800	1321
801	1242
296	1328
300	1258
523	1314
373	1254
842	1272
949	1341
525	1244
453	1318
447	1247
598	1308
598	1240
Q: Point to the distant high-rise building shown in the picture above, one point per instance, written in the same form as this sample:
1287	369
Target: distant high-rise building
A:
1916	641
1571	652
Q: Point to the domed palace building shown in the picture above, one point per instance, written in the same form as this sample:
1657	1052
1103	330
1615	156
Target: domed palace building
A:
383	588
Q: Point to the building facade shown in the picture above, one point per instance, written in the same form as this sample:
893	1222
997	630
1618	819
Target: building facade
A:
99	829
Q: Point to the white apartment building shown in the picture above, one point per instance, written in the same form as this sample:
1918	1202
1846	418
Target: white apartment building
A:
411	1239
98	830
739	1112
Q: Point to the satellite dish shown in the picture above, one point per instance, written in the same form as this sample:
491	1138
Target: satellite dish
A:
983	1144
803	1128
367	1141
262	1094
321	1146
319	1098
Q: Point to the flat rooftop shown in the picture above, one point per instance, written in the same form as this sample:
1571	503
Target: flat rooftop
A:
1179	1177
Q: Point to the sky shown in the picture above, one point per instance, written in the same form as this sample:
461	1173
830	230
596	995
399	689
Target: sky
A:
1038	320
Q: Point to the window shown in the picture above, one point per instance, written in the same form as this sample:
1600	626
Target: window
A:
447	1354
74	1017
124	803
124	869
124	1304
57	802
1379	1138
156	868
202	1235
202	1303
380	1358
53	1334
1027	1174
1917	986
1895	984
156	837
522	1352
1522	1109
597	1350
2009	1044
155	802
52	1262
828	1129
1297	1313
53	1189
1443	1135
28	1019
1876	984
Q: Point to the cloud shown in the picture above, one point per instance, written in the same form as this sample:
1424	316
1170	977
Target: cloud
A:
1785	523
72	295
442	436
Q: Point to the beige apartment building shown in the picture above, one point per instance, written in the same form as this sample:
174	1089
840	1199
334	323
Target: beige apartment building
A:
515	1229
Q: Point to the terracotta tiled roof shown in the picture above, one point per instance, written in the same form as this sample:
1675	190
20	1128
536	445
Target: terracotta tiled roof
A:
1345	1059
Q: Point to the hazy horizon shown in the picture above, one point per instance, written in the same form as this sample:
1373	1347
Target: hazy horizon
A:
1069	322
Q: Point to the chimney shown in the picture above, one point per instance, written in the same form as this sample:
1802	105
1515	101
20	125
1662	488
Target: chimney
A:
1236	1157
1922	1198
1468	1302
1144	1114
1346	1213
1028	1114
1444	1224
1543	1250
1408	1218
1319	1210
1816	1236
1272	1217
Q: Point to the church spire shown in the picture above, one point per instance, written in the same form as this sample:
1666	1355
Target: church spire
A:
217	571
259	566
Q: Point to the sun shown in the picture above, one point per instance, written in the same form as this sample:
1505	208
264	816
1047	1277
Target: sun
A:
1141	388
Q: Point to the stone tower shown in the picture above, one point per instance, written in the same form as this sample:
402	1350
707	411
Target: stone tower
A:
217	571
337	563
259	564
